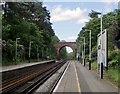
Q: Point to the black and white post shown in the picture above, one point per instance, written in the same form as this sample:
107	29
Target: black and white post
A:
90	52
37	54
30	49
16	51
84	51
101	62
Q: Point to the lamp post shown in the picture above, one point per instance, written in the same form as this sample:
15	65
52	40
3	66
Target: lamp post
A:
16	51
46	53
84	51
81	46
101	63
37	54
49	53
82	54
30	49
89	49
78	53
42	53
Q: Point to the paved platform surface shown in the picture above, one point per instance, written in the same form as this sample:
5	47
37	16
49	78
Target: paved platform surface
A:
91	82
69	82
78	78
12	67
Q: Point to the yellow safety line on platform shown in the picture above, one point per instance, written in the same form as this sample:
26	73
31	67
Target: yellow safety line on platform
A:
78	84
60	79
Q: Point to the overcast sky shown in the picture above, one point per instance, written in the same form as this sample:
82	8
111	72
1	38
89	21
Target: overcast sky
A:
68	18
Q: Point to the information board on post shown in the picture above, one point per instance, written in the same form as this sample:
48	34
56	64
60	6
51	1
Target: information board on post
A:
104	48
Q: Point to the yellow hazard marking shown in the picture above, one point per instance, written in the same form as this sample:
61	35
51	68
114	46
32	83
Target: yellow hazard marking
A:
78	84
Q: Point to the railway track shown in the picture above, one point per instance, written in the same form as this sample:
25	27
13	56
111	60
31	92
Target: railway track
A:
28	83
51	91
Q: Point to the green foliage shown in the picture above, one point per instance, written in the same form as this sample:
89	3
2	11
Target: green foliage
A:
70	56
113	74
94	26
113	58
110	22
29	21
93	14
63	53
55	39
94	65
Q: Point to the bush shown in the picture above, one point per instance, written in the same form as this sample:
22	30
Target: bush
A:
113	58
113	63
94	65
113	74
112	54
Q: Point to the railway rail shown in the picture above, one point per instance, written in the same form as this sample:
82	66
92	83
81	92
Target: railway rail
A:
27	84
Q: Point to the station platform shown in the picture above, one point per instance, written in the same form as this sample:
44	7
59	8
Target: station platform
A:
69	81
78	78
17	66
90	81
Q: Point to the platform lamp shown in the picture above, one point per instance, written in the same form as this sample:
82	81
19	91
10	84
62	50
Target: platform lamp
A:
89	48
78	53
30	50
101	64
37	53
84	50
16	51
81	46
42	53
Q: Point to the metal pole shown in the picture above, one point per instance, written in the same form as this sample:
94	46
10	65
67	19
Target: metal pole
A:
79	52
42	53
90	52
37	54
84	51
16	52
46	54
101	64
50	53
82	54
30	50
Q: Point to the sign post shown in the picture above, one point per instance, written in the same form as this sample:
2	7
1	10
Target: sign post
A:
102	52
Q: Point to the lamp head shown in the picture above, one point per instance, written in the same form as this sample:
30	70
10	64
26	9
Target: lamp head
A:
17	38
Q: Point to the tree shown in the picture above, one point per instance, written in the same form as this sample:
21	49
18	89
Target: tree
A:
31	22
110	21
93	14
55	39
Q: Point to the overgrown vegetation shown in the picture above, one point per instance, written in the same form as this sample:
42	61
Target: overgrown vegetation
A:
29	21
110	22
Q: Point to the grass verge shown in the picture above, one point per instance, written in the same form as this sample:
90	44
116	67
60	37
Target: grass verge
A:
113	74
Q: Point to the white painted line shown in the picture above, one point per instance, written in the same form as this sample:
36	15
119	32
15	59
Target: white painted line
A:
60	79
78	84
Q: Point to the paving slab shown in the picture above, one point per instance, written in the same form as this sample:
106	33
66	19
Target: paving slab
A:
91	82
69	82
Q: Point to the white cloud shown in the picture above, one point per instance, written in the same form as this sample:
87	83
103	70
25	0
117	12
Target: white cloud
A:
108	2
45	5
108	5
58	13
72	38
